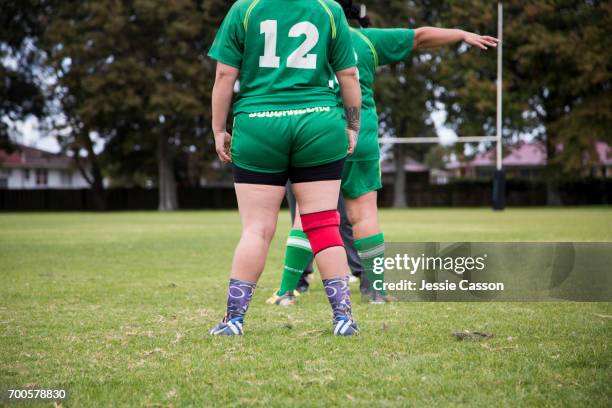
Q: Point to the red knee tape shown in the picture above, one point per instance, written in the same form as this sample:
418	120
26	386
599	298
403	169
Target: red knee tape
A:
322	230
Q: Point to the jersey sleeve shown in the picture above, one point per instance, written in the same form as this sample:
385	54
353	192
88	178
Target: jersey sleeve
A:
391	44
342	52
228	45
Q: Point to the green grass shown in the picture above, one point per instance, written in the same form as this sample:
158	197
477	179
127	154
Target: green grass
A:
117	307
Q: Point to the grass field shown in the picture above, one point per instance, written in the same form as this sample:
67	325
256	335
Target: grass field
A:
116	308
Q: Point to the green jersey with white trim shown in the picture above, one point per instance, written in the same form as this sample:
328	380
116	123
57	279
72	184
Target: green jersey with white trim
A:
375	47
286	51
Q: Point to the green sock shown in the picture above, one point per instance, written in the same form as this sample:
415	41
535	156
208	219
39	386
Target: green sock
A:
370	248
297	256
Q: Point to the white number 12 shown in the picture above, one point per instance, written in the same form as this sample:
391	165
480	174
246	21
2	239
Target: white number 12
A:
300	58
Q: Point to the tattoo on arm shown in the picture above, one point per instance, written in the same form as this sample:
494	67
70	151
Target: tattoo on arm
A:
353	114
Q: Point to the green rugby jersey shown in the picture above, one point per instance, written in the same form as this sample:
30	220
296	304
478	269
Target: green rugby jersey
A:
286	51
375	47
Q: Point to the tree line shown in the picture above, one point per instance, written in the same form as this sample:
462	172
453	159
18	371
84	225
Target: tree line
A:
133	74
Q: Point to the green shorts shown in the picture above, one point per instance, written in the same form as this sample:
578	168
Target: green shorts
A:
367	146
273	142
361	177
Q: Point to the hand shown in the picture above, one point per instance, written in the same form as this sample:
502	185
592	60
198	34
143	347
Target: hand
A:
352	136
480	41
223	142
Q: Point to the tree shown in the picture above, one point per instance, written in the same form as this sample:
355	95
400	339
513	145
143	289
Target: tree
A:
20	94
557	62
136	73
437	157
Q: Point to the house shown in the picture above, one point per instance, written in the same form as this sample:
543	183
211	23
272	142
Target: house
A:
30	168
525	161
416	172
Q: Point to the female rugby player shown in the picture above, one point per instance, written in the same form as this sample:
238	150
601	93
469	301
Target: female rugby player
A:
362	177
287	126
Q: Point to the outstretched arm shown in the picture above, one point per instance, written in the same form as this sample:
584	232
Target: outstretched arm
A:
221	101
432	37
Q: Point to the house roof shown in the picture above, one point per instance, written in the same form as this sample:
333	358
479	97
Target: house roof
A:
526	155
30	157
411	166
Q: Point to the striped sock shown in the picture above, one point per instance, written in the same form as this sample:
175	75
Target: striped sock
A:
297	256
369	249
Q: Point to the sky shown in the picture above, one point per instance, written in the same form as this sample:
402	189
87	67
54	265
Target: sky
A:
28	133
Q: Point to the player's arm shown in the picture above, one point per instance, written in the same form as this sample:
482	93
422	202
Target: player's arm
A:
343	63
221	101
432	37
351	98
227	49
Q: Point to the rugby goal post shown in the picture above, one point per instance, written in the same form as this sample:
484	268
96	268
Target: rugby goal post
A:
499	179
